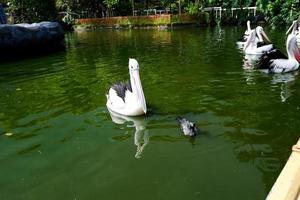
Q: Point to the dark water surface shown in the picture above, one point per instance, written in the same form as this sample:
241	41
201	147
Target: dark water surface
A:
58	141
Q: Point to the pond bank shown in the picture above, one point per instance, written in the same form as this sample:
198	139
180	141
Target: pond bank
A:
150	21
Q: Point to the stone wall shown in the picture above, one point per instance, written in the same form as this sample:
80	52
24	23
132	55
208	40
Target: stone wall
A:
165	20
125	21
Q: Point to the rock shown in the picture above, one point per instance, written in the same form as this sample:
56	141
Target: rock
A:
28	37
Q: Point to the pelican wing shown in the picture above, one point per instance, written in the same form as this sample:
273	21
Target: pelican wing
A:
117	95
266	58
283	65
121	89
260	44
265	48
114	100
276	54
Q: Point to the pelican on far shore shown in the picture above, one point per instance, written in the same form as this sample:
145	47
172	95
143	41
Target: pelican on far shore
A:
252	47
128	98
276	62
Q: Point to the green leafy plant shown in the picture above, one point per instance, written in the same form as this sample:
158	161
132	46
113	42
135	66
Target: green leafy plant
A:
193	8
279	12
68	19
32	10
110	4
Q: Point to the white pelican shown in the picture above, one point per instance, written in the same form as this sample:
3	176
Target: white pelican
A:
141	135
128	98
254	48
275	62
260	38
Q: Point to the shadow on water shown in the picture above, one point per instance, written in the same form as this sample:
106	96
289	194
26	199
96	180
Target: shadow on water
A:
19	54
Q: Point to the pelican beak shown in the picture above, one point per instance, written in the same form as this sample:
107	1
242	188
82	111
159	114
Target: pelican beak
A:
140	93
248	26
265	36
291	27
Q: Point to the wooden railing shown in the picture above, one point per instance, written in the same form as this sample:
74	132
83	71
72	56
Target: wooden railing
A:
287	185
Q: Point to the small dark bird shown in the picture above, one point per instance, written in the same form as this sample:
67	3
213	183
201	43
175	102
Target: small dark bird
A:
187	127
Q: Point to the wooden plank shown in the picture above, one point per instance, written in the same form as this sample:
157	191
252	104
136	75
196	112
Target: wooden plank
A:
287	185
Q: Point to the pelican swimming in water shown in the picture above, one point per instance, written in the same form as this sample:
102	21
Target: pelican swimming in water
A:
276	62
260	38
253	47
128	98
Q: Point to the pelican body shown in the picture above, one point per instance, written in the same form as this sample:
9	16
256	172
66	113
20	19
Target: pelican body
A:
276	62
254	48
128	98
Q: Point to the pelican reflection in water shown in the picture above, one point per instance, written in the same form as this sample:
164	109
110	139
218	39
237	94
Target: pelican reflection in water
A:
141	135
250	61
286	80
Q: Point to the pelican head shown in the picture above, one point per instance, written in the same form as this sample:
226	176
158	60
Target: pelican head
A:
261	34
133	64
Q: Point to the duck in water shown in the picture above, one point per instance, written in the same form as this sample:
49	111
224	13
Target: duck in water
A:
188	128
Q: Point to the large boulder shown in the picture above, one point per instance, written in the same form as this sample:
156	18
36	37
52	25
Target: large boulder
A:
30	37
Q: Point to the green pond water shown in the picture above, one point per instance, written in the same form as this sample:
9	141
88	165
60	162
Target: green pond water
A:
58	141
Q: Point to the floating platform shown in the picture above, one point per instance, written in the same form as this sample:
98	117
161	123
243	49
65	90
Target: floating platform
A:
287	185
